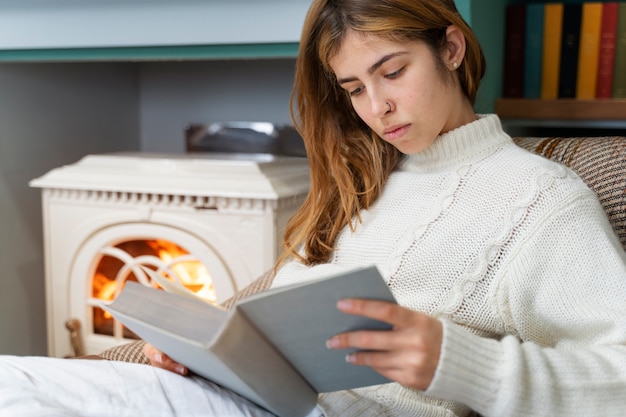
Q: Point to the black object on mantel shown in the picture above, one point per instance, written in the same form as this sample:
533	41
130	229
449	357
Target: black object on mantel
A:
244	137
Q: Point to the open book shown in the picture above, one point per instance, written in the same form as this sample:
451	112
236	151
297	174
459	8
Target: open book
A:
270	347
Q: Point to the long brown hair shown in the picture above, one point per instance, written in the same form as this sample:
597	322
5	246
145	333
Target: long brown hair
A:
349	163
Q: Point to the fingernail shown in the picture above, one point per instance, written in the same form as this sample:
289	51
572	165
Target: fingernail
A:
158	358
332	343
350	358
344	304
180	369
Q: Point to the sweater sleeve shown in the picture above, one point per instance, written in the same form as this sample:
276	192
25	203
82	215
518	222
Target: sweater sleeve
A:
562	296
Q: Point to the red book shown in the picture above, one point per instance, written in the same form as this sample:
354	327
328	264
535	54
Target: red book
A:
608	29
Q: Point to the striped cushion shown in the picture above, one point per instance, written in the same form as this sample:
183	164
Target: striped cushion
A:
600	162
262	283
129	352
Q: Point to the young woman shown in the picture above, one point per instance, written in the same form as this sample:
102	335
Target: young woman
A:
509	278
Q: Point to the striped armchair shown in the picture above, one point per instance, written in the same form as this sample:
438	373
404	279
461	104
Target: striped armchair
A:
599	161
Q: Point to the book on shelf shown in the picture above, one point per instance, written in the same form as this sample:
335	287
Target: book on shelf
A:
533	50
570	50
588	55
551	56
570	47
270	347
619	70
606	58
515	34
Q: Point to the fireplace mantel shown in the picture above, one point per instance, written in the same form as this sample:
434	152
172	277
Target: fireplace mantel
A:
261	176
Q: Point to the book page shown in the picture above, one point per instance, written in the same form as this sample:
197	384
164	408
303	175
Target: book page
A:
183	316
171	286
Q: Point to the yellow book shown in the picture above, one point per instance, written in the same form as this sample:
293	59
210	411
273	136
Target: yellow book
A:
589	51
552	32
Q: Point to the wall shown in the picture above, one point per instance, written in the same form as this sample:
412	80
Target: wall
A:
173	95
88	23
486	17
50	115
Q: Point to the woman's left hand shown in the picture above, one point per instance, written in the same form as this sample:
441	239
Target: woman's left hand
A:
407	354
160	360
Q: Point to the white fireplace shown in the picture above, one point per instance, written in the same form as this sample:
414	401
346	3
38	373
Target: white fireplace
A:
212	222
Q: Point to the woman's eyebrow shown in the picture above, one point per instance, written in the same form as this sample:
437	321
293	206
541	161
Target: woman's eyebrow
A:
373	68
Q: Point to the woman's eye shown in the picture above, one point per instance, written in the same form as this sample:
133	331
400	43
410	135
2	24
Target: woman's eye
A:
356	91
395	74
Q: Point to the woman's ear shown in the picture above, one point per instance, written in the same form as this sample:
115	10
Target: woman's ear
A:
455	47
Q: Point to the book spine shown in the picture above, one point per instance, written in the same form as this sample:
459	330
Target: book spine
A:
619	69
513	78
552	31
570	45
247	353
588	53
606	58
533	50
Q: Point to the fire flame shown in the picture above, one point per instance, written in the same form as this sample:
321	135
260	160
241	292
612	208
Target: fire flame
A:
192	274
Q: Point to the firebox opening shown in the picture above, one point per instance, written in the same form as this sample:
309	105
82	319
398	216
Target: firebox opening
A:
121	263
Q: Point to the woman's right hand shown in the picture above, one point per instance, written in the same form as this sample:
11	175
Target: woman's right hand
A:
160	360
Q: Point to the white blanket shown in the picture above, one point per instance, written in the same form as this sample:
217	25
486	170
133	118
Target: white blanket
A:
52	387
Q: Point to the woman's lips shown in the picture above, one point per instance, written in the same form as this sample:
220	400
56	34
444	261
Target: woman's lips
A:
395	132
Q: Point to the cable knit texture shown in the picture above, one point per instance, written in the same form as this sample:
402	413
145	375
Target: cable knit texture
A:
517	258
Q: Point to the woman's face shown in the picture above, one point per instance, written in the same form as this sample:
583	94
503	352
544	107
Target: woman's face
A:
398	91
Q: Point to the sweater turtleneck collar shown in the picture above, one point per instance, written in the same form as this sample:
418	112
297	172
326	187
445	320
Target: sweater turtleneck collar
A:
466	142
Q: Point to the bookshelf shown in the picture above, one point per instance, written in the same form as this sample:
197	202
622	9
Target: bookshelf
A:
560	116
562	109
152	53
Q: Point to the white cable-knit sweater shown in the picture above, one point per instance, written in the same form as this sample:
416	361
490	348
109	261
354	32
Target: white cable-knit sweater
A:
515	255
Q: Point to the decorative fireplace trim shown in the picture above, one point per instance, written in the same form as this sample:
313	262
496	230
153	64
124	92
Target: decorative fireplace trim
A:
222	204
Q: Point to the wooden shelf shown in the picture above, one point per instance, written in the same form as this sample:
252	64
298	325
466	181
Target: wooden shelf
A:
562	109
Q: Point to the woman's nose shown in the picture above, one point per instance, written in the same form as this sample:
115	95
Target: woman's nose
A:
380	107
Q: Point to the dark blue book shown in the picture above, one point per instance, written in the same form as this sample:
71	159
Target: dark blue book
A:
533	52
572	19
